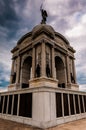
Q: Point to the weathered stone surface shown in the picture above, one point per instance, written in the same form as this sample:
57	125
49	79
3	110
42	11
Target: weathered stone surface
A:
43	81
44	47
75	125
43	73
10	125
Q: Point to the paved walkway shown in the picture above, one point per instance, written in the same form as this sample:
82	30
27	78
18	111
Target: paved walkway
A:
75	125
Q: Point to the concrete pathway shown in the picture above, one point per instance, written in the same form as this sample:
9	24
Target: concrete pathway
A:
75	125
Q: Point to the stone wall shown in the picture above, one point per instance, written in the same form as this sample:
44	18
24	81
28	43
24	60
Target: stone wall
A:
42	107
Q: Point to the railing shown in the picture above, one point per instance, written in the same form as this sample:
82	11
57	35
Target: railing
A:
19	104
70	104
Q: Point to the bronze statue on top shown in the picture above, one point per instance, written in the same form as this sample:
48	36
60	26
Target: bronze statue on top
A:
44	15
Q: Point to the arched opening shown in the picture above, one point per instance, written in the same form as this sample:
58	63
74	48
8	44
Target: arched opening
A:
26	71
60	73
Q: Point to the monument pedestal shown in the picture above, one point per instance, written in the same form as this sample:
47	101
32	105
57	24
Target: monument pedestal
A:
73	86
43	81
14	86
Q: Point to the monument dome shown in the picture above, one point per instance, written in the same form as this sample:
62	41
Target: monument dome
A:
43	28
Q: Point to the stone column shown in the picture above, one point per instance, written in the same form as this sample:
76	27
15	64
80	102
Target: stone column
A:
21	76
47	104
18	70
33	63
53	64
83	103
74	72
12	70
7	105
79	104
18	105
69	105
43	61
62	104
65	74
3	104
74	103
68	71
12	105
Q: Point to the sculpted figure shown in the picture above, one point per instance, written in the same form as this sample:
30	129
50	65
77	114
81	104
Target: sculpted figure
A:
47	70
44	15
38	70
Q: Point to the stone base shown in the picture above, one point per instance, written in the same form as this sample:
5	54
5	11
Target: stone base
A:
44	106
43	81
13	86
10	125
73	86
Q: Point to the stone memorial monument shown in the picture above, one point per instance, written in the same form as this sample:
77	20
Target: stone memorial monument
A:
43	90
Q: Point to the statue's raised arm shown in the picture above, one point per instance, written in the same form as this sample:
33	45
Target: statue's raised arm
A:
44	15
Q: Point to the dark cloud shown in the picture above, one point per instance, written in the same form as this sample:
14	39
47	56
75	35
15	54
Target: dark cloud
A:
8	14
17	17
81	78
3	80
4	83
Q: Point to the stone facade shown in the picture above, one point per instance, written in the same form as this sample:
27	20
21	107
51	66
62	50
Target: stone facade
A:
43	91
42	107
43	53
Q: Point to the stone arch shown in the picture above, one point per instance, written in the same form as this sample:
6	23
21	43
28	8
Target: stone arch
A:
25	56
60	71
58	54
26	71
